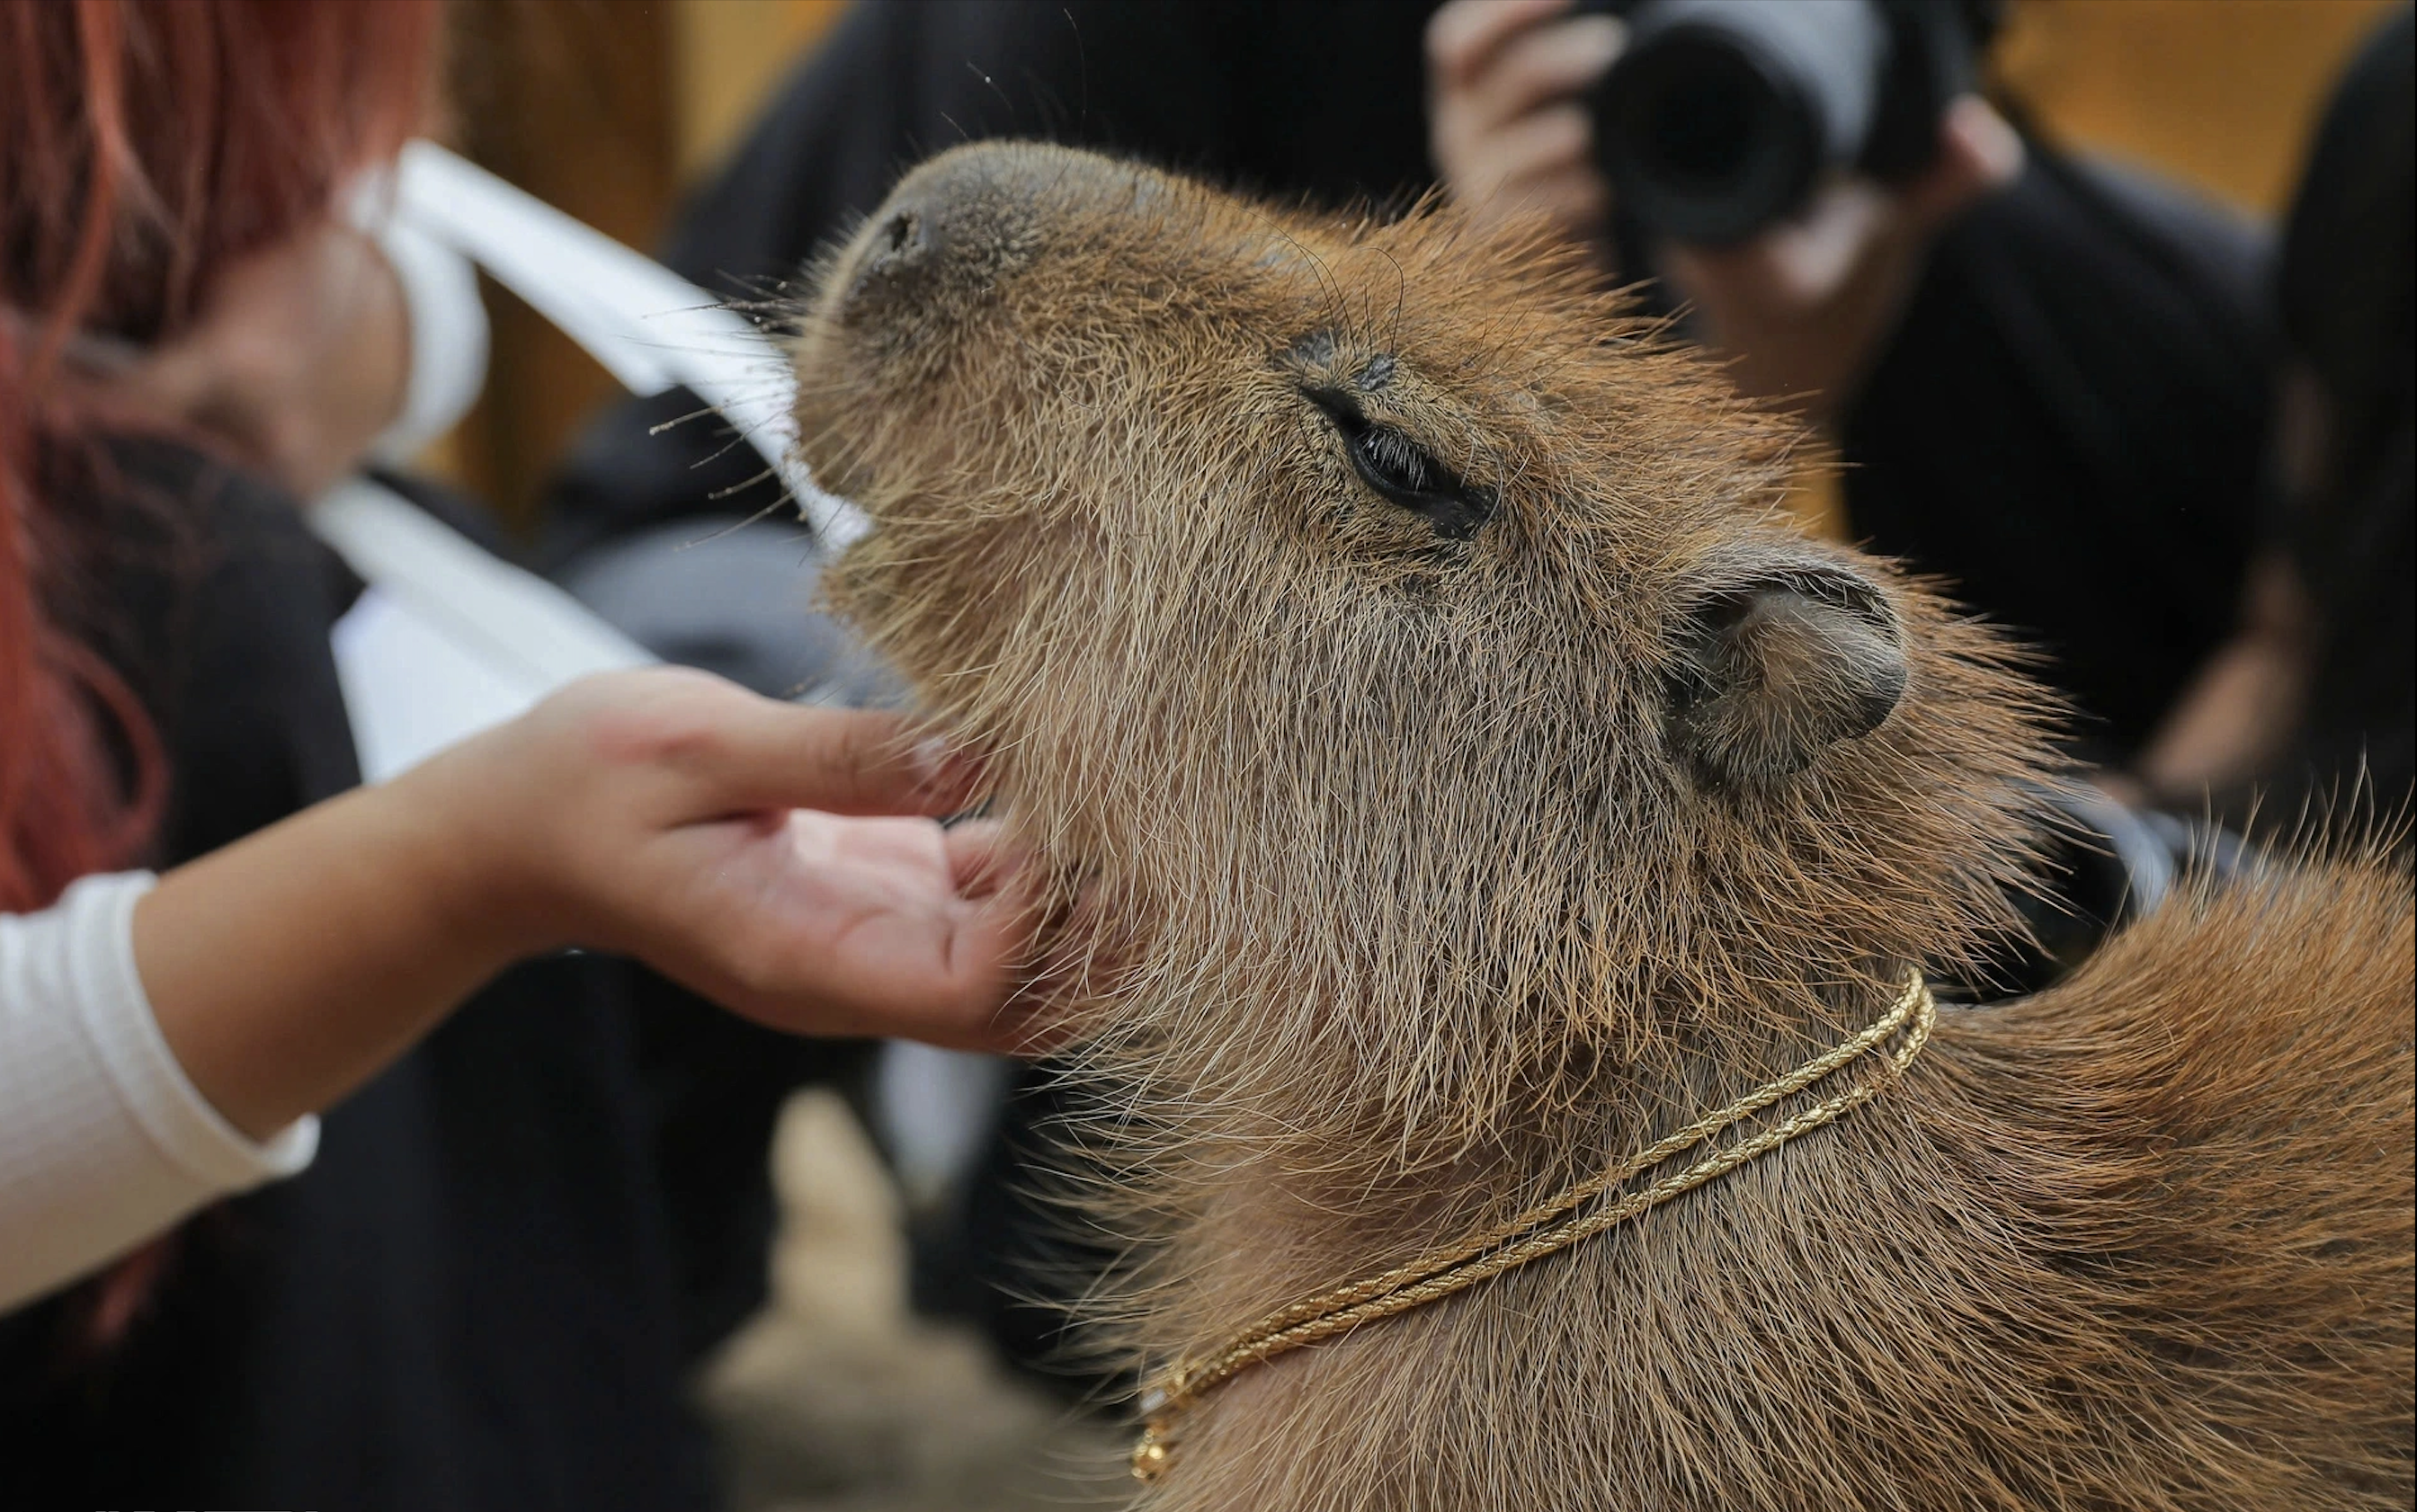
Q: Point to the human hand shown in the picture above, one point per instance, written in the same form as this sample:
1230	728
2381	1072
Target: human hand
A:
1506	127
1804	308
1801	308
752	850
296	361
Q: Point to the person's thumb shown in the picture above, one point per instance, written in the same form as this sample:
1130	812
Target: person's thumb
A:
768	754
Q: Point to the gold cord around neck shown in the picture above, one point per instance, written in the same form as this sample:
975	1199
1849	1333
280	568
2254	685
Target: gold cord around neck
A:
1540	1230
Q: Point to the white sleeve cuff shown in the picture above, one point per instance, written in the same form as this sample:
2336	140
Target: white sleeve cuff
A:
104	1141
125	1035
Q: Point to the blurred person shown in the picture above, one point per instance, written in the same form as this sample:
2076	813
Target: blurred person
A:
2043	377
2311	698
465	1292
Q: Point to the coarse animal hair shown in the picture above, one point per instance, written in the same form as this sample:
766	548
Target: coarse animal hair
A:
1462	774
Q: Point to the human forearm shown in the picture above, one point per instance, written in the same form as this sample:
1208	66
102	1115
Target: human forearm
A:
650	813
103	1138
150	1042
290	967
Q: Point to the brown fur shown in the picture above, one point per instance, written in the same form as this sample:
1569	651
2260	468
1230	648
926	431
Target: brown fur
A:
1423	876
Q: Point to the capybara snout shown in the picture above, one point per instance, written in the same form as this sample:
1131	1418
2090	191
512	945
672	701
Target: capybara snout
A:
955	227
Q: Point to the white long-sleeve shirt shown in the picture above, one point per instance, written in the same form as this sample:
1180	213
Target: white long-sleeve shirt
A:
104	1142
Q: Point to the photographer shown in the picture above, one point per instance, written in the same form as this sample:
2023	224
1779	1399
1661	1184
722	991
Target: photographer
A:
2044	380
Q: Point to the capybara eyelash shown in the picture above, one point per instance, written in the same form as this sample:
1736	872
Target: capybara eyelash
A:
1401	471
1392	456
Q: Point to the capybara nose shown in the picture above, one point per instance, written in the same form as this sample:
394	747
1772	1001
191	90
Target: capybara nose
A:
899	249
957	225
942	227
903	243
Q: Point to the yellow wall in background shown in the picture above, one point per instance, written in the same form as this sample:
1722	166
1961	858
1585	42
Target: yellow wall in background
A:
729	54
2221	94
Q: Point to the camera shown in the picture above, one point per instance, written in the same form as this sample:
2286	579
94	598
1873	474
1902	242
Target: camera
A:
1720	117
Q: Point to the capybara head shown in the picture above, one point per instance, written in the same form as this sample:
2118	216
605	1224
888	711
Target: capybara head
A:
1397	639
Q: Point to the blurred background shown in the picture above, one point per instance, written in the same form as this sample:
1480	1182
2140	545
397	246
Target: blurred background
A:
611	109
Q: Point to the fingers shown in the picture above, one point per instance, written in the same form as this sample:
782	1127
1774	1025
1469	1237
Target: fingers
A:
984	954
1464	36
1541	67
1007	929
1009	895
1978	152
1544	163
984	864
1850	235
947	978
950	975
1508	133
732	751
766	754
1797	267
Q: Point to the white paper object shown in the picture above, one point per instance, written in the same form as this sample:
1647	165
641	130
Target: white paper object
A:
448	641
649	327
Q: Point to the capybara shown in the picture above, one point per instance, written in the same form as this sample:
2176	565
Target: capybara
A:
1463	777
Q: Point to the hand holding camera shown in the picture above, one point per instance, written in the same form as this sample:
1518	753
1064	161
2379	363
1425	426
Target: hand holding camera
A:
1781	164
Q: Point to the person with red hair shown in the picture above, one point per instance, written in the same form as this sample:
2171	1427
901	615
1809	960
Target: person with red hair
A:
210	935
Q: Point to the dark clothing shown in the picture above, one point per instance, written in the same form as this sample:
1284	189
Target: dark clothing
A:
2066	427
487	1290
2069	424
2350	317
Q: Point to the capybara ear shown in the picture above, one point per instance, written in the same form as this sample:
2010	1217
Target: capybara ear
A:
1780	659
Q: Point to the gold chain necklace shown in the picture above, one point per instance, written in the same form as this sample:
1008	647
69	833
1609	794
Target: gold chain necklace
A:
1540	1230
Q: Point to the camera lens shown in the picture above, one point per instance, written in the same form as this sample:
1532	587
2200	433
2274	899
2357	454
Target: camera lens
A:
1721	115
1697	124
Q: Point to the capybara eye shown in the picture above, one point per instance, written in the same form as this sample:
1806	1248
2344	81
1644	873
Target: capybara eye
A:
1394	464
1401	471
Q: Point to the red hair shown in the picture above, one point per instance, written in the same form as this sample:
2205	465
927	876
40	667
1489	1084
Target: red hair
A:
144	146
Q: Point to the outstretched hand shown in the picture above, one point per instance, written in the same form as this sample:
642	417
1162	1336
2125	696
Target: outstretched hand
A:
780	860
